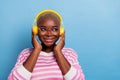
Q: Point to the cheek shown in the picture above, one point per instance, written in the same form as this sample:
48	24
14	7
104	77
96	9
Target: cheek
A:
40	35
56	33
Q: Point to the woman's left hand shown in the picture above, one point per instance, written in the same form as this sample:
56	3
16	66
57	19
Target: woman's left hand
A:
61	43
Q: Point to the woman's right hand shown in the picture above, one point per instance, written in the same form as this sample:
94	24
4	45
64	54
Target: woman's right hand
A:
35	42
31	60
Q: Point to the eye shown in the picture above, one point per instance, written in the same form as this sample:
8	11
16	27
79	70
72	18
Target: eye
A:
43	28
55	29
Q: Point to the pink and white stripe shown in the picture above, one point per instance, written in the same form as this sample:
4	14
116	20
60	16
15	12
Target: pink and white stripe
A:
46	67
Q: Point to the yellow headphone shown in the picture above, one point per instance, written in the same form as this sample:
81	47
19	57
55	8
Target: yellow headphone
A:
35	27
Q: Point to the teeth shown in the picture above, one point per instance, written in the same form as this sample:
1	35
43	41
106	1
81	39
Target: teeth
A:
48	39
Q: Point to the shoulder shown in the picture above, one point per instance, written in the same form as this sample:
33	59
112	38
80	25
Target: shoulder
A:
23	55
69	51
70	54
25	52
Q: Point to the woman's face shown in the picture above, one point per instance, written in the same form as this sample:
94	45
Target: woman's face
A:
49	30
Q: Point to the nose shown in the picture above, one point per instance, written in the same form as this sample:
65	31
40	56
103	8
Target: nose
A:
49	32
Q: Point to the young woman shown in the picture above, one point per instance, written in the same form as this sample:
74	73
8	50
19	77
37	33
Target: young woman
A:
47	60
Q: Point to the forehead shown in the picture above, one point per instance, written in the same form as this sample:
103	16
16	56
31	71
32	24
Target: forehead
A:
46	16
49	21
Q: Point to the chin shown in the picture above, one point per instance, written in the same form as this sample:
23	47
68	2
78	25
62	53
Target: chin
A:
49	44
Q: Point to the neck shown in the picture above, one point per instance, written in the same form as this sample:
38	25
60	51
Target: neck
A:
47	48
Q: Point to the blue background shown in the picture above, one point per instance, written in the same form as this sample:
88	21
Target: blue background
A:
92	30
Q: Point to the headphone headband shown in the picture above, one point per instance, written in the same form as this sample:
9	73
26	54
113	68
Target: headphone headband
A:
44	11
35	27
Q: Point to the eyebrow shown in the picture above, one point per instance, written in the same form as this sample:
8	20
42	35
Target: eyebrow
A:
45	26
42	26
54	26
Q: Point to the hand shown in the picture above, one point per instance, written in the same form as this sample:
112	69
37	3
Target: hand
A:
61	43
35	42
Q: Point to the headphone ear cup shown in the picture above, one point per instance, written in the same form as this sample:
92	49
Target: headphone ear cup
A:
35	30
61	30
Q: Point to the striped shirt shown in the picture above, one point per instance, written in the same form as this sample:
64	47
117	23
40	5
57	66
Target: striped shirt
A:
46	67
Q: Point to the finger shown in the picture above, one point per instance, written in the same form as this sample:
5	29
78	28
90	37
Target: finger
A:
62	40
33	35
33	32
34	39
63	36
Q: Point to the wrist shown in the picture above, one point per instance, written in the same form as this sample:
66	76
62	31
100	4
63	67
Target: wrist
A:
37	49
57	51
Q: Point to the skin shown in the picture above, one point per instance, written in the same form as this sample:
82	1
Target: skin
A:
48	34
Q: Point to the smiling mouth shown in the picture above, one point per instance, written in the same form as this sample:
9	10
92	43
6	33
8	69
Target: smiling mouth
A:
49	40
